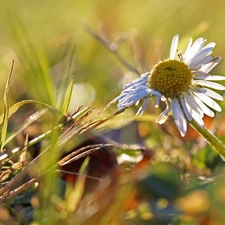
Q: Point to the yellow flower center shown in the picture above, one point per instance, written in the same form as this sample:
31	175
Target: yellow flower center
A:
170	77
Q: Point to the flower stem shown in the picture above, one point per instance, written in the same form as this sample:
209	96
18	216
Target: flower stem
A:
211	138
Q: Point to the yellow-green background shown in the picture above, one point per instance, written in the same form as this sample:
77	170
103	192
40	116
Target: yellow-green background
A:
54	28
43	37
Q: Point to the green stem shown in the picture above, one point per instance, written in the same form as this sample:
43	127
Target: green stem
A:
211	138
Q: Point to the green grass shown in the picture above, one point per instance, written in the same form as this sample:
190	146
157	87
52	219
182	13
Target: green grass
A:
64	74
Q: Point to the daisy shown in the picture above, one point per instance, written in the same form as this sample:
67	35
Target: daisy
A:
182	81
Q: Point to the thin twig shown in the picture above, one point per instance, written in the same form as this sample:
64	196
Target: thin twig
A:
20	189
87	150
77	174
112	47
66	158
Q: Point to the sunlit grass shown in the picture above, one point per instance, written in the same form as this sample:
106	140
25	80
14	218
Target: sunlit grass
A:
97	48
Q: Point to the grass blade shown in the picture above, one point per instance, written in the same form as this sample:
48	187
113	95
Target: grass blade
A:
67	98
17	105
74	197
5	116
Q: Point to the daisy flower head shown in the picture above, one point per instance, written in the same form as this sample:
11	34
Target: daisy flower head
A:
182	81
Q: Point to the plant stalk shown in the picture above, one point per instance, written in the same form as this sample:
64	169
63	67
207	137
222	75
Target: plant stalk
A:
211	138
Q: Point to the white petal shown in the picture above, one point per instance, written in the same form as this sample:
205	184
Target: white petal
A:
194	49
139	81
208	101
179	118
186	111
202	54
127	99
204	108
145	75
164	115
163	99
205	76
137	103
194	106
197	119
195	114
208	84
188	48
198	44
174	45
210	93
208	67
132	96
156	101
155	93
203	61
210	45
143	107
138	91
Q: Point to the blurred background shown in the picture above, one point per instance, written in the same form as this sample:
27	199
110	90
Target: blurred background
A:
43	37
54	41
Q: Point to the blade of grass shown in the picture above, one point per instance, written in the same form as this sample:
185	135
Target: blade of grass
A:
76	194
34	60
65	80
28	122
5	116
18	105
67	98
50	185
